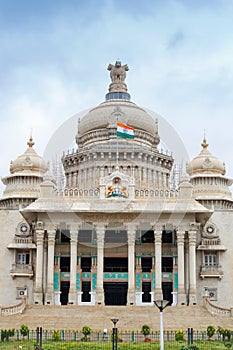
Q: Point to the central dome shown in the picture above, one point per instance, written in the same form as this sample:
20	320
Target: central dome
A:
99	124
106	114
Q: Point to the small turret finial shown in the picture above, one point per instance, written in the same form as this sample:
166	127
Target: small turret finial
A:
204	143
31	142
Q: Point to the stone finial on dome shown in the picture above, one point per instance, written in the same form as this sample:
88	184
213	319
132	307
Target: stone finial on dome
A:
31	143
204	143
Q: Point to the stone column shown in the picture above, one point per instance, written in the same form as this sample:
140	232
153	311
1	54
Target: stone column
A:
180	250
158	265
49	297
192	267
131	265
100	231
38	291
73	265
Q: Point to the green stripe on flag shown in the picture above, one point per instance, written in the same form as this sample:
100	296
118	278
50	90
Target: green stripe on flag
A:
125	135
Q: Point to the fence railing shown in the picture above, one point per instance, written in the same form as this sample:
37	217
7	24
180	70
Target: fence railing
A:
105	335
64	340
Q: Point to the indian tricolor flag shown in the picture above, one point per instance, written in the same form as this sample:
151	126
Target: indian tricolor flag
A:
125	131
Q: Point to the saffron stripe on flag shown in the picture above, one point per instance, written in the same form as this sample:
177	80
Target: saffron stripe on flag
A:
125	131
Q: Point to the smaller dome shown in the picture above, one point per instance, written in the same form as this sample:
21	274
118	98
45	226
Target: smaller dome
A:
29	161
205	163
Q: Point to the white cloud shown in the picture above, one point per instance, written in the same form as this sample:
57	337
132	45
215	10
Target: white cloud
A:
53	65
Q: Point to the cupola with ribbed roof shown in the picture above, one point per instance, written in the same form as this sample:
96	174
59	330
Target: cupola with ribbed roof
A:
207	175
26	175
29	161
205	163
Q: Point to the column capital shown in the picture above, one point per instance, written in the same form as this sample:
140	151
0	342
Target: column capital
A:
39	236
157	228
192	237
51	236
74	236
180	237
158	237
131	227
100	227
131	238
74	226
131	233
194	227
100	231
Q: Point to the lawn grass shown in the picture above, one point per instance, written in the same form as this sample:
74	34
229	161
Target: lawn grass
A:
106	345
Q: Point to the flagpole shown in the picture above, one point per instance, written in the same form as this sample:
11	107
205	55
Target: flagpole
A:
117	151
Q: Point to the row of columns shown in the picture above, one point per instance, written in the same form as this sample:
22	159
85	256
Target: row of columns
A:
100	231
150	176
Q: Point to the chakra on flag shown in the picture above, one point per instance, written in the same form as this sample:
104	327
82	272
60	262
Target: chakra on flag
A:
125	131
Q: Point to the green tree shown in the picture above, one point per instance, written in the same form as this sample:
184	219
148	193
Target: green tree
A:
24	330
145	330
210	331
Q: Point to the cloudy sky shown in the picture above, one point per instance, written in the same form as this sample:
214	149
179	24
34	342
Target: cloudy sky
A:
54	56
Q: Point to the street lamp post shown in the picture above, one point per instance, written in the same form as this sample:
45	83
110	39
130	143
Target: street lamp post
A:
114	333
161	304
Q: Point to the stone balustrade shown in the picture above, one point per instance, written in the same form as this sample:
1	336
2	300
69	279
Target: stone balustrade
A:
23	240
139	193
15	309
216	310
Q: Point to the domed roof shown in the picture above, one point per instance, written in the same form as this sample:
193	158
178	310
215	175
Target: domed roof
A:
205	163
101	121
29	161
105	115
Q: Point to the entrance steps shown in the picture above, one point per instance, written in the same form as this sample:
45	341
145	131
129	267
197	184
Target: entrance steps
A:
52	317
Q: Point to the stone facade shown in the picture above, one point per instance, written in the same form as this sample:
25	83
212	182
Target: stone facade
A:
117	234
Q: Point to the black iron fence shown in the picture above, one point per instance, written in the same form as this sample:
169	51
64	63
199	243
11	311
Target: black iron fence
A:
41	339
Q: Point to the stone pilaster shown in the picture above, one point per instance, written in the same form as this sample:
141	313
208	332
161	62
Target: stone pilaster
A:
181	288
158	264
100	231
131	264
73	265
49	296
38	292
192	267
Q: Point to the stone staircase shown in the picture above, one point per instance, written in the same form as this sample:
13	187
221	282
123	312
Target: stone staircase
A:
99	317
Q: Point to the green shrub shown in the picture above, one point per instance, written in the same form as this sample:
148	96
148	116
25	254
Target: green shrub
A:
86	331
210	331
224	333
220	331
193	347
24	330
227	334
56	335
190	347
145	330
7	333
179	336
